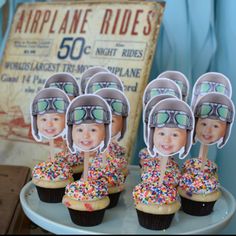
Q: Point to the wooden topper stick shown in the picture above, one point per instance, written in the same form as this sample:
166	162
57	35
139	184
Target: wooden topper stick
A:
203	155
64	146
104	159
163	163
86	165
51	149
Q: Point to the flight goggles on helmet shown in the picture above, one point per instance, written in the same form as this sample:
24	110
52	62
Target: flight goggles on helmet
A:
117	106
44	105
182	86
220	111
98	85
68	87
209	86
158	91
178	118
83	113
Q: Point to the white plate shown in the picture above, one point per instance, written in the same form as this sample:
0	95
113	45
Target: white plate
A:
122	219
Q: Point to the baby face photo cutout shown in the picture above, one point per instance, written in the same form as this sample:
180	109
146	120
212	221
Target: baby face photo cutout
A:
211	82
65	82
88	124
104	80
214	115
48	111
147	110
88	74
120	108
180	79
161	86
170	128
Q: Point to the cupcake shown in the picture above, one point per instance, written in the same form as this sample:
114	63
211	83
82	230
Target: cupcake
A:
198	193
86	201
76	161
171	177
144	156
115	182
119	163
193	166
116	149
155	205
50	179
114	179
155	165
145	159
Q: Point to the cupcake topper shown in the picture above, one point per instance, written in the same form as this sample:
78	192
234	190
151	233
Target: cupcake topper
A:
170	128
147	109
88	126
64	81
120	108
180	79
161	86
88	74
48	111
103	80
211	82
214	115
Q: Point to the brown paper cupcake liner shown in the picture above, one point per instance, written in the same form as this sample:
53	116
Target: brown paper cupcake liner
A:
77	176
114	198
196	208
153	221
87	218
50	195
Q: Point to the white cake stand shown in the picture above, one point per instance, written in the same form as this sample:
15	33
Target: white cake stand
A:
122	219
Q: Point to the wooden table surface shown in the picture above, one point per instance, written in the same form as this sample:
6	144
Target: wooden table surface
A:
12	217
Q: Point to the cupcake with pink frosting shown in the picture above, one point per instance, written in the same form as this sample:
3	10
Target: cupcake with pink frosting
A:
86	201
155	204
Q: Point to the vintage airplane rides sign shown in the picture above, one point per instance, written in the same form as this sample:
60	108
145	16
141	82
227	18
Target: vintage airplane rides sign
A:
47	38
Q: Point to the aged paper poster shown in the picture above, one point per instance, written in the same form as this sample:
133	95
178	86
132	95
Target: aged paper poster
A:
47	38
